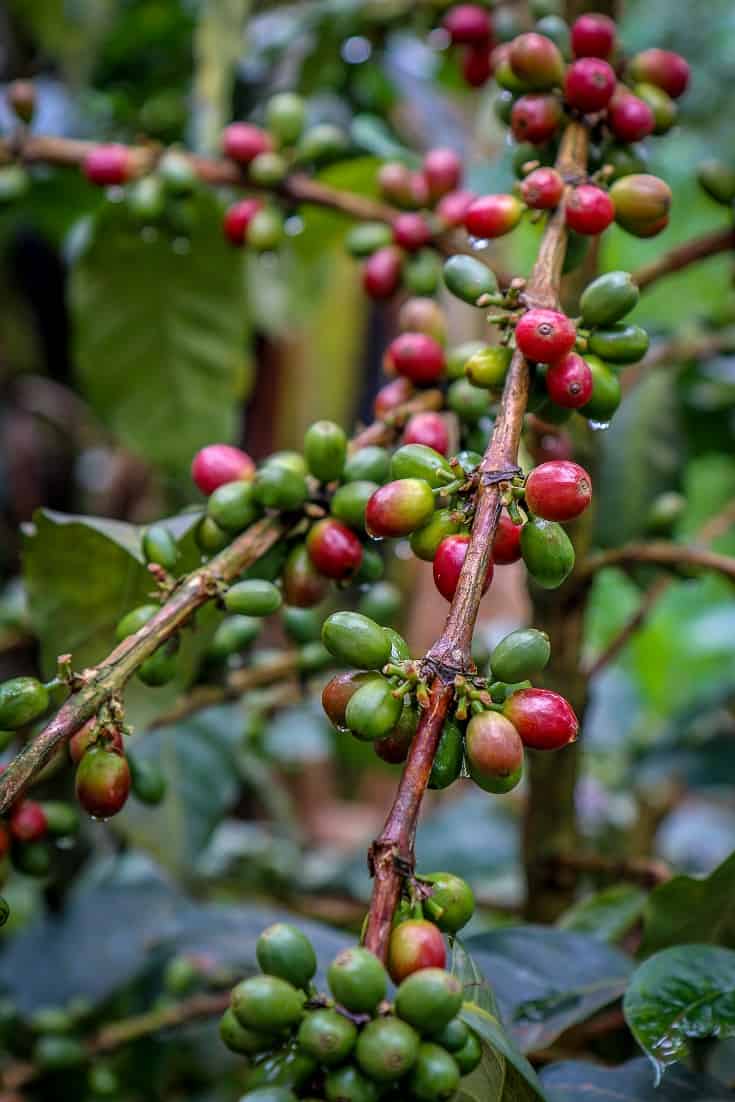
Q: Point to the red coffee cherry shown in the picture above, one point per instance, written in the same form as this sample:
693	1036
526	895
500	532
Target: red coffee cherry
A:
338	692
411	231
468	24
663	68
494	752
102	782
544	720
393	394
217	464
542	189
303	585
493	215
429	429
87	735
414	945
448	560
545	335
108	165
243	142
536	61
593	35
399	508
507	541
394	181
535	118
28	821
629	118
381	272
549	445
477	65
569	381
452	207
238	217
417	357
589	85
334	549
559	490
442	170
589	209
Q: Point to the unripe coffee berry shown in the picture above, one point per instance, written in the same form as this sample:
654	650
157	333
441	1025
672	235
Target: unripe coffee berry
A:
536	61
429	429
494	752
108	165
381	273
559	490
593	35
663	68
542	189
493	215
334	549
102	782
589	209
442	170
448	561
87	736
642	203
243	142
569	381
217	464
237	219
411	231
545	335
535	118
414	945
629	118
506	541
589	84
544	720
417	357
399	508
468	24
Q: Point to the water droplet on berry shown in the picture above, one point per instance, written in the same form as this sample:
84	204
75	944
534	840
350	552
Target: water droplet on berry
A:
479	243
599	426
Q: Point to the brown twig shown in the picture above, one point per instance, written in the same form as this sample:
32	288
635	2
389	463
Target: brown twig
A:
698	248
382	432
392	853
659	553
646	871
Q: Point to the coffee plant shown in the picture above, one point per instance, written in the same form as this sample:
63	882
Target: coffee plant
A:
480	182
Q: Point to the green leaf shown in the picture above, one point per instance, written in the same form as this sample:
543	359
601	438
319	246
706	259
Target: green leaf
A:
608	914
160	333
678	997
504	1074
474	985
577	1081
539	993
369	132
689	910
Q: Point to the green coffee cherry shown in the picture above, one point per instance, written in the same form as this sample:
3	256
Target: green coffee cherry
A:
421	461
371	464
322	142
435	1076
429	999
425	540
159	546
328	1036
238	1038
421	272
133	621
356	640
279	487
449	756
451	903
325	450
284	951
458	356
148	780
625	160
718	180
303	625
285	116
469	1056
469	402
22	699
357	980
349	502
14	183
488	368
620	343
608	298
313	658
469	279
606	391
265	230
663	107
292	460
373	711
210	537
520	655
399	651
233	635
177	174
347	1084
386	1049
367	237
382	602
145	199
453	1036
267	1003
665	511
255	597
56	1053
268	169
371	568
160	668
62	819
233	506
547	552
289	1067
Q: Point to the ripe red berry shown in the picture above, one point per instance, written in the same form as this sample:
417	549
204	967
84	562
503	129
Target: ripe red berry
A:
238	217
442	171
28	821
543	719
243	142
411	231
452	207
536	61
217	464
393	394
545	335
663	68
559	490
338	692
507	541
468	24
381	273
414	945
477	65
448	560
542	189
589	85
493	215
589	209
334	549
548	444
107	165
417	357
629	118
535	118
102	782
399	508
429	429
494	752
569	381
303	585
593	35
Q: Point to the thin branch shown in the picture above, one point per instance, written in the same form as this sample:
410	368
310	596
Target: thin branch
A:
698	248
659	553
382	432
392	853
646	871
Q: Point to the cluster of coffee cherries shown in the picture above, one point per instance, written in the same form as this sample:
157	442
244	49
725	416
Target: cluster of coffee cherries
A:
401	255
379	700
355	1045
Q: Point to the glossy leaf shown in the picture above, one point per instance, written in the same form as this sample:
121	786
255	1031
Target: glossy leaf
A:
504	1073
689	910
680	996
608	914
577	1081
